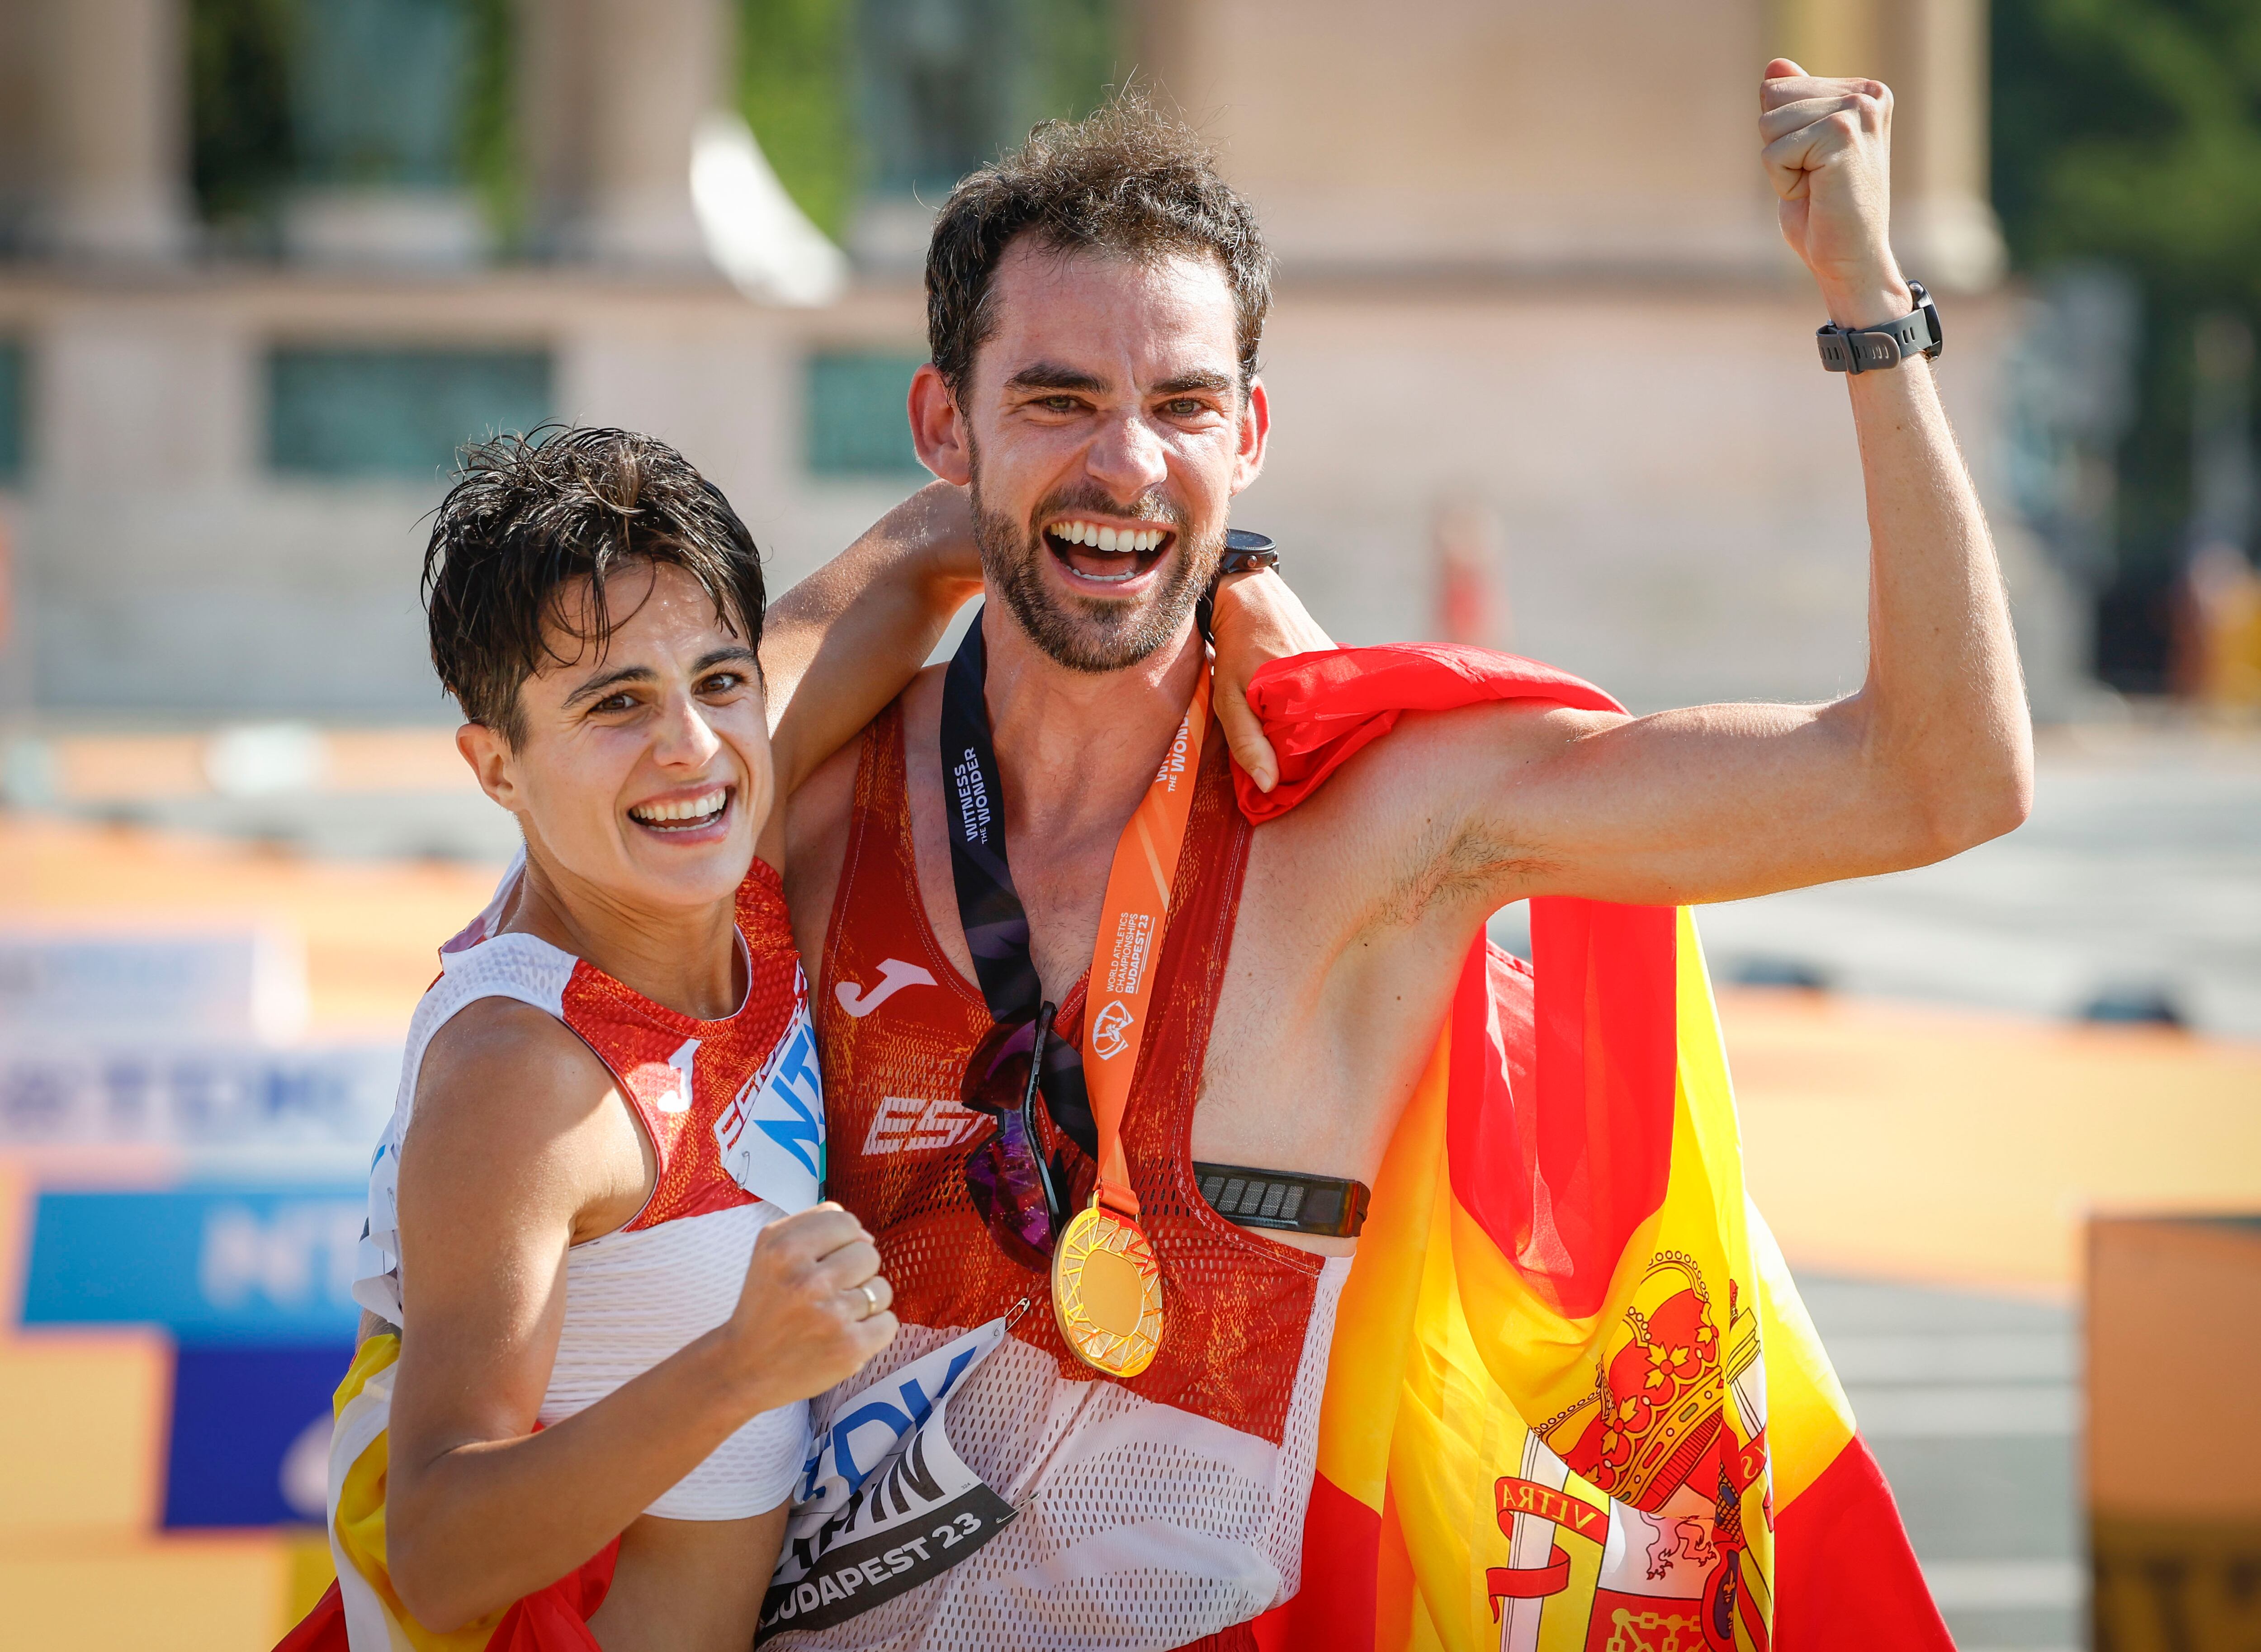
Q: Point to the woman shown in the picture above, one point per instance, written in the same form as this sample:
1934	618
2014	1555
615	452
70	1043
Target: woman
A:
602	1283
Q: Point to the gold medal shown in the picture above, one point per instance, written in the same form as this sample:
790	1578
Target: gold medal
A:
1107	1292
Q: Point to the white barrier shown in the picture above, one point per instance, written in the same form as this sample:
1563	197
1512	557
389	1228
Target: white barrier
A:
194	1094
223	986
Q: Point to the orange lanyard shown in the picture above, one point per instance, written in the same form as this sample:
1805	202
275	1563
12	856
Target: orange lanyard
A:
1128	953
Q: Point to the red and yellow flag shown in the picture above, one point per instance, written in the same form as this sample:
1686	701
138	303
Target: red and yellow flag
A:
362	1608
1575	1403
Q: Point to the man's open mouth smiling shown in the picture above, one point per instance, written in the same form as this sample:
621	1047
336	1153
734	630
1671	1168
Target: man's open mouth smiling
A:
686	812
1108	553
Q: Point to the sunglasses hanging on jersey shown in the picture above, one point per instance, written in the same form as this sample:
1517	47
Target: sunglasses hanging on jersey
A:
1018	1196
1021	1198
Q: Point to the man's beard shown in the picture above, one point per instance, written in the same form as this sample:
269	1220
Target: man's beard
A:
1087	634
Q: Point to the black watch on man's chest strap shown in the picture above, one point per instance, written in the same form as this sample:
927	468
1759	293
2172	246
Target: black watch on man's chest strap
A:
1328	1206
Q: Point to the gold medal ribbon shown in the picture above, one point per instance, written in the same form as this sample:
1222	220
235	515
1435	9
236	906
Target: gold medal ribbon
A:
1107	1285
1129	949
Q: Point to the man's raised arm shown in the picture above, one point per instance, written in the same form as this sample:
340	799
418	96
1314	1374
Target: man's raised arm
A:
1933	754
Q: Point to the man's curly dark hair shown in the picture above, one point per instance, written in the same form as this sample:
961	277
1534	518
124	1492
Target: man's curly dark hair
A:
1128	180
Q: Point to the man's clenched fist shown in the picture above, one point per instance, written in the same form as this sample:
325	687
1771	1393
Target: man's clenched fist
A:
1828	154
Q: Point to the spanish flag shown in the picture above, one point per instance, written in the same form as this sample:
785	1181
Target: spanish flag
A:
362	1609
1575	1403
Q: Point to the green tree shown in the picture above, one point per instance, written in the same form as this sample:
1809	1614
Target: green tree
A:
795	64
2130	130
493	159
240	151
798	63
246	151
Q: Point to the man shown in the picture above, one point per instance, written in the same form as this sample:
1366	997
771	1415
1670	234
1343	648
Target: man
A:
1095	305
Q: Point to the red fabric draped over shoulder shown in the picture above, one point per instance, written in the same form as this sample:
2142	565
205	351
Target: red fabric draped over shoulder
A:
1319	710
1560	1182
1559	1136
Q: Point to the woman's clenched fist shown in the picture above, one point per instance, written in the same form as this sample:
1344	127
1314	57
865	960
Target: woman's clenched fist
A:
814	1308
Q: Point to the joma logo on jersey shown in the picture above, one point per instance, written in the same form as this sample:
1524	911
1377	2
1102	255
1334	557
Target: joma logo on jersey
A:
772	1133
895	976
914	1123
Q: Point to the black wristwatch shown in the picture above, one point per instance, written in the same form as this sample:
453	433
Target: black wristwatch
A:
1859	349
1244	553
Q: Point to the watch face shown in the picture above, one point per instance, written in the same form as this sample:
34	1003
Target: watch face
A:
1241	539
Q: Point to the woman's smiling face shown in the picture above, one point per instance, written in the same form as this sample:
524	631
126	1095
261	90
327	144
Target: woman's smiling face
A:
642	774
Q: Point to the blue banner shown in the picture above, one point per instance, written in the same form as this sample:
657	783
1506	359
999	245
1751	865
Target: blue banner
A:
213	1263
250	1439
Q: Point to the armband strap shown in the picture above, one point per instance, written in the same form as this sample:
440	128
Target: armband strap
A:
1862	349
1327	1205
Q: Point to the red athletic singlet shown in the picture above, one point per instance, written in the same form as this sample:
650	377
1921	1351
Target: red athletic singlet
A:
1151	1511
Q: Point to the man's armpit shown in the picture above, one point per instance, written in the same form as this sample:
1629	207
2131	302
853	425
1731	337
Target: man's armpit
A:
1454	865
1444	800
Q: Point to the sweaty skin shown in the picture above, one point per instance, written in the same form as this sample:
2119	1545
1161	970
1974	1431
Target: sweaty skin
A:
1109	379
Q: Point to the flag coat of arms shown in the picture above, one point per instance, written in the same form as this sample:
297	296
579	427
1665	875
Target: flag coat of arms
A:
1574	1403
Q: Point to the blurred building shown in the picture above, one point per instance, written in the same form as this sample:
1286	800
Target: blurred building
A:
1530	280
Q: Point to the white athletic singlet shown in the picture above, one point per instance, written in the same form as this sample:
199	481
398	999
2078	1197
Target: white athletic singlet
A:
734	1113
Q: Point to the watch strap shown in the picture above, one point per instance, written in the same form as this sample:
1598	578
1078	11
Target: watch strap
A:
1867	349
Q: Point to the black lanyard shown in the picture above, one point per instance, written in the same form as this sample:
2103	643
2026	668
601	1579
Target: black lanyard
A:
989	908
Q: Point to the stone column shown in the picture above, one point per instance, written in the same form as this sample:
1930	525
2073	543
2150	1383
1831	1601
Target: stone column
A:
114	111
21	139
654	67
1943	224
556	80
1828	37
1179	53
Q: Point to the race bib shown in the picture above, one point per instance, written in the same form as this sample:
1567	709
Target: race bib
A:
884	1503
773	1132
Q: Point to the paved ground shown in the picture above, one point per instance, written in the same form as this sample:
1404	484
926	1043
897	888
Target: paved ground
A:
2140	871
1971	1406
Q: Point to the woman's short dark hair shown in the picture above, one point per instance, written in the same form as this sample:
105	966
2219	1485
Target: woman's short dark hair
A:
530	516
1128	180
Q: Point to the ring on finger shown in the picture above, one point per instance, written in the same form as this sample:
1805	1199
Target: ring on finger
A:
871	1299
